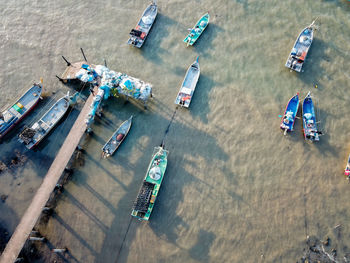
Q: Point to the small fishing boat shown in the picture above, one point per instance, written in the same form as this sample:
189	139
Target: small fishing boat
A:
14	114
347	169
117	138
140	32
198	29
309	120
188	86
290	114
301	47
31	136
147	195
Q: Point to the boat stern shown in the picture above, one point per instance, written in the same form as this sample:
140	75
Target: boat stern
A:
294	64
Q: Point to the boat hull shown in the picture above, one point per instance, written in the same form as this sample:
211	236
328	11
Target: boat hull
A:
309	120
347	169
185	94
114	142
40	129
300	49
139	34
26	103
146	198
198	29
290	113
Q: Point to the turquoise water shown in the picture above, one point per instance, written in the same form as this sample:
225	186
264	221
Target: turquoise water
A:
236	189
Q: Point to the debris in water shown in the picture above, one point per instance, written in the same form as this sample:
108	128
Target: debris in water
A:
3	198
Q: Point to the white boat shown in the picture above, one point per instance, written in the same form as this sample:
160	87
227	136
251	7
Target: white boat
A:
31	136
301	47
188	86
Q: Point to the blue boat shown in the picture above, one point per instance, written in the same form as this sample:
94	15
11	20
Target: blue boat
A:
14	114
290	114
301	47
309	120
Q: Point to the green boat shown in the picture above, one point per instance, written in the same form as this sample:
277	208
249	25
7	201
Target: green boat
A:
197	30
148	192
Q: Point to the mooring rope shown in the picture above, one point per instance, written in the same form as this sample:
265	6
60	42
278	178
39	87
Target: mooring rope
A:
168	128
121	246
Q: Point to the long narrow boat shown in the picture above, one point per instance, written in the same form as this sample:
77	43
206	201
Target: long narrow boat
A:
301	47
13	115
147	195
117	138
31	136
347	169
290	114
188	86
140	32
309	120
197	30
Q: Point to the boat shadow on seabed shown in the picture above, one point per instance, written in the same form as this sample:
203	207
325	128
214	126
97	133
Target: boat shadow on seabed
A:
205	41
151	49
312	71
166	208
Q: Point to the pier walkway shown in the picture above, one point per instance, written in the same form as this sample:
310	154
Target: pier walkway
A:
33	212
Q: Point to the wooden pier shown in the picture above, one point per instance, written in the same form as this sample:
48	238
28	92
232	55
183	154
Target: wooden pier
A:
72	69
33	212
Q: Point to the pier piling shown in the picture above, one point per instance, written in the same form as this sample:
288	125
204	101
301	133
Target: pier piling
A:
59	250
37	239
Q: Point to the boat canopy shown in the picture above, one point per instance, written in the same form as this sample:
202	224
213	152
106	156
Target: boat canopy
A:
155	173
203	23
186	90
308	116
147	20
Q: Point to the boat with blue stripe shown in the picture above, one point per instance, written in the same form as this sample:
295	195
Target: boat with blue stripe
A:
14	114
309	120
289	114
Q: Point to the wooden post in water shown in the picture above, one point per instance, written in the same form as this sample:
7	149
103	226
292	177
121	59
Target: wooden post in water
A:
37	239
59	250
82	51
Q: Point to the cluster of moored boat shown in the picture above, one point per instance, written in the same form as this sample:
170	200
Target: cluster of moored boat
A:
148	192
107	81
295	62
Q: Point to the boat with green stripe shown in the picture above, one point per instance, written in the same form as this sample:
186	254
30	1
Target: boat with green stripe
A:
148	192
198	29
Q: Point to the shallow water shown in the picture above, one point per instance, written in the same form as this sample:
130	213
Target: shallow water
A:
236	189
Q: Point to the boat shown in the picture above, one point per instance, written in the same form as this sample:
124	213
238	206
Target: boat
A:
197	30
148	192
117	138
347	169
301	47
290	114
14	114
31	136
140	32
188	86
309	120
